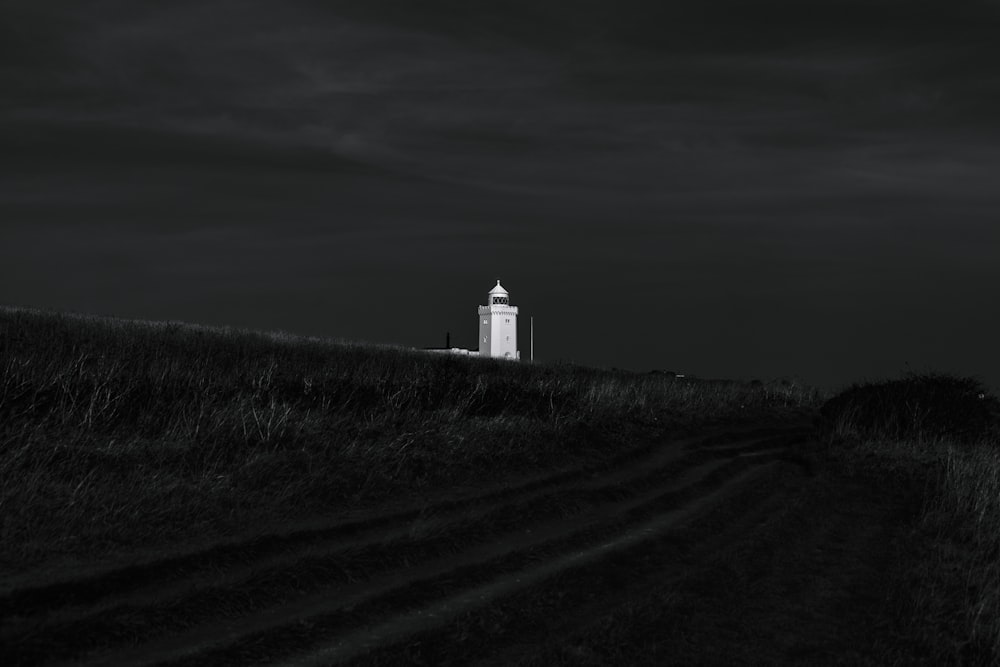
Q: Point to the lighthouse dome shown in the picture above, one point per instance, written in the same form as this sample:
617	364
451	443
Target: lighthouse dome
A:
498	295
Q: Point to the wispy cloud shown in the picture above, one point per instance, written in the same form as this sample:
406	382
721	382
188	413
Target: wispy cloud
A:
673	144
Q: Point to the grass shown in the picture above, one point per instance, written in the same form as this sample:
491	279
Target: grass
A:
118	436
940	434
942	582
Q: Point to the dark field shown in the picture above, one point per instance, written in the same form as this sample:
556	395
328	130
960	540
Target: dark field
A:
179	495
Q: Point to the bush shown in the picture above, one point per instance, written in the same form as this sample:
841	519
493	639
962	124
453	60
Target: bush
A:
929	405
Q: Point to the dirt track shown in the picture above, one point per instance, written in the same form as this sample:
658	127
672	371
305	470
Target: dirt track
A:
717	549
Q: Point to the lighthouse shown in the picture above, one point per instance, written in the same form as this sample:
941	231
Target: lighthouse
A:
498	326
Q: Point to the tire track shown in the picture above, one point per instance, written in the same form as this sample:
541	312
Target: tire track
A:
36	593
806	587
543	586
380	568
296	625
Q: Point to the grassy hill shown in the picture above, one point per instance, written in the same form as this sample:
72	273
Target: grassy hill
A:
119	436
135	455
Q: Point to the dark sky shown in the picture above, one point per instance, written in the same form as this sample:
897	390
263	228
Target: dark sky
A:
720	187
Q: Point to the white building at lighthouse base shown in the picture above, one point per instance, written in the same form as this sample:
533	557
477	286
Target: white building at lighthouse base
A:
497	329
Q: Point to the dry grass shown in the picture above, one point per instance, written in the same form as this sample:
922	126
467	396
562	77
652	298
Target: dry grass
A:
947	578
962	526
119	435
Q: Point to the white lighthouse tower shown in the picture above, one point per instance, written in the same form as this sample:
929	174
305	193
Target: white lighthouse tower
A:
498	326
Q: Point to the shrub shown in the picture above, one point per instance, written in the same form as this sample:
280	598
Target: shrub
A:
932	405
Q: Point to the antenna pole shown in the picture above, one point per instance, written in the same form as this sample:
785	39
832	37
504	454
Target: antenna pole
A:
532	320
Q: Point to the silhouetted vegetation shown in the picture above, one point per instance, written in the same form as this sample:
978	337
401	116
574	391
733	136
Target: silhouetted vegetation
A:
916	406
116	434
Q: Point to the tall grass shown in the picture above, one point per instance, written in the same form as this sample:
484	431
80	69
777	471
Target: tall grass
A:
942	433
118	434
962	525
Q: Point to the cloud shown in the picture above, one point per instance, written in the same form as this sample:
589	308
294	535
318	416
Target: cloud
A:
710	161
501	95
